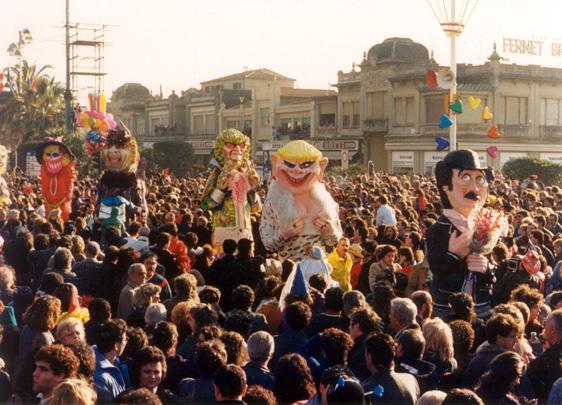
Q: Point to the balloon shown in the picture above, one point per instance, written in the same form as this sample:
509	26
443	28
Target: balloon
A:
109	116
92	114
487	114
92	122
493	132
442	143
104	126
102	102
91	101
112	125
473	102
445	122
431	79
84	116
457	106
492	151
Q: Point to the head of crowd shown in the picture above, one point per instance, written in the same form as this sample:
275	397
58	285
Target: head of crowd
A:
151	311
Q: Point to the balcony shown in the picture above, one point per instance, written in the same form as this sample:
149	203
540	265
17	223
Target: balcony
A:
326	131
375	125
515	131
550	132
296	132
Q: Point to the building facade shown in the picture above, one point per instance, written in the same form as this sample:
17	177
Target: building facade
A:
382	111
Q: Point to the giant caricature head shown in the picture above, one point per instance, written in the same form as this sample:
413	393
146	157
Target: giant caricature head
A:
3	159
461	182
298	166
232	145
55	155
120	153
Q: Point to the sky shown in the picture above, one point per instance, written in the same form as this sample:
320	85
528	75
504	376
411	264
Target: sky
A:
176	44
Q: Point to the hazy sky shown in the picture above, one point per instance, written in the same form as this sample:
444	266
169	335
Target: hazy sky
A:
179	43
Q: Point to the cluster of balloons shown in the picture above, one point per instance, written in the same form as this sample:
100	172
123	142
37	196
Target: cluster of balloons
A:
96	122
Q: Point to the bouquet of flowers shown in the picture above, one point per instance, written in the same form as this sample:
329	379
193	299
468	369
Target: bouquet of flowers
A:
486	226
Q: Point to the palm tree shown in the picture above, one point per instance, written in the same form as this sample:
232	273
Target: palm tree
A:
34	107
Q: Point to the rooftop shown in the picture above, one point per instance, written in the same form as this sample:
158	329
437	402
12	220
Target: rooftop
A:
256	74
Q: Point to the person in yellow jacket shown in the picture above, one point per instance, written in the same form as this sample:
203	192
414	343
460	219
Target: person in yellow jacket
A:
341	263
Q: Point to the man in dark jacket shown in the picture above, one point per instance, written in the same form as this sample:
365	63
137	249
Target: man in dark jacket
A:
292	340
502	331
462	185
362	322
385	385
225	273
547	368
260	350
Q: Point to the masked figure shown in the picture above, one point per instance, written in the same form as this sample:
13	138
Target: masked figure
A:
57	176
230	189
4	189
463	187
119	186
298	209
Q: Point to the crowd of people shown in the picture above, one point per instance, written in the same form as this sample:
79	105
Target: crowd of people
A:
151	312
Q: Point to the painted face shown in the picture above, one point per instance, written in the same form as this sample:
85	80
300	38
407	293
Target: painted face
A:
55	159
234	151
299	177
470	187
118	158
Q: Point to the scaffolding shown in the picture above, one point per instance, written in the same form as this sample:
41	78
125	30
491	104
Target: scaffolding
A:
87	46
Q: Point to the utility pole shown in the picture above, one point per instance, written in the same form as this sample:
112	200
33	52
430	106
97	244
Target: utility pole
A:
67	92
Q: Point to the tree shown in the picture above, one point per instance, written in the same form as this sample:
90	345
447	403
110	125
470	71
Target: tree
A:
33	108
521	168
177	156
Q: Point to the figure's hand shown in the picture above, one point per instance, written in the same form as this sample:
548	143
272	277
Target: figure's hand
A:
224	179
294	228
460	245
477	263
323	226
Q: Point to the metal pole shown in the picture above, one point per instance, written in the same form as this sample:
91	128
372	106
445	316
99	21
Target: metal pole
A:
453	91
67	92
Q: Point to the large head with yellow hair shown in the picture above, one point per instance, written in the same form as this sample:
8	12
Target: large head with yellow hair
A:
3	159
298	166
232	145
120	153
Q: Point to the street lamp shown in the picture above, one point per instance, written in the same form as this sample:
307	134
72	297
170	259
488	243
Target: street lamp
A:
453	16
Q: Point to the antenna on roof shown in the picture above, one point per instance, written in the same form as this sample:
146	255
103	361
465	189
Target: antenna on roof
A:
245	68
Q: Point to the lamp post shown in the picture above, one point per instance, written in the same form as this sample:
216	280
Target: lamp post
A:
15	49
453	19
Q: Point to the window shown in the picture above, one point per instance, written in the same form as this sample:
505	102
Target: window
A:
346	114
198	124
399	111
232	124
356	115
154	124
434	108
410	111
237	86
264	117
515	110
552	112
375	105
140	126
327	120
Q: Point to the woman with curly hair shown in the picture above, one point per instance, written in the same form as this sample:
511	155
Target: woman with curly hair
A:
40	318
236	348
77	248
293	380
